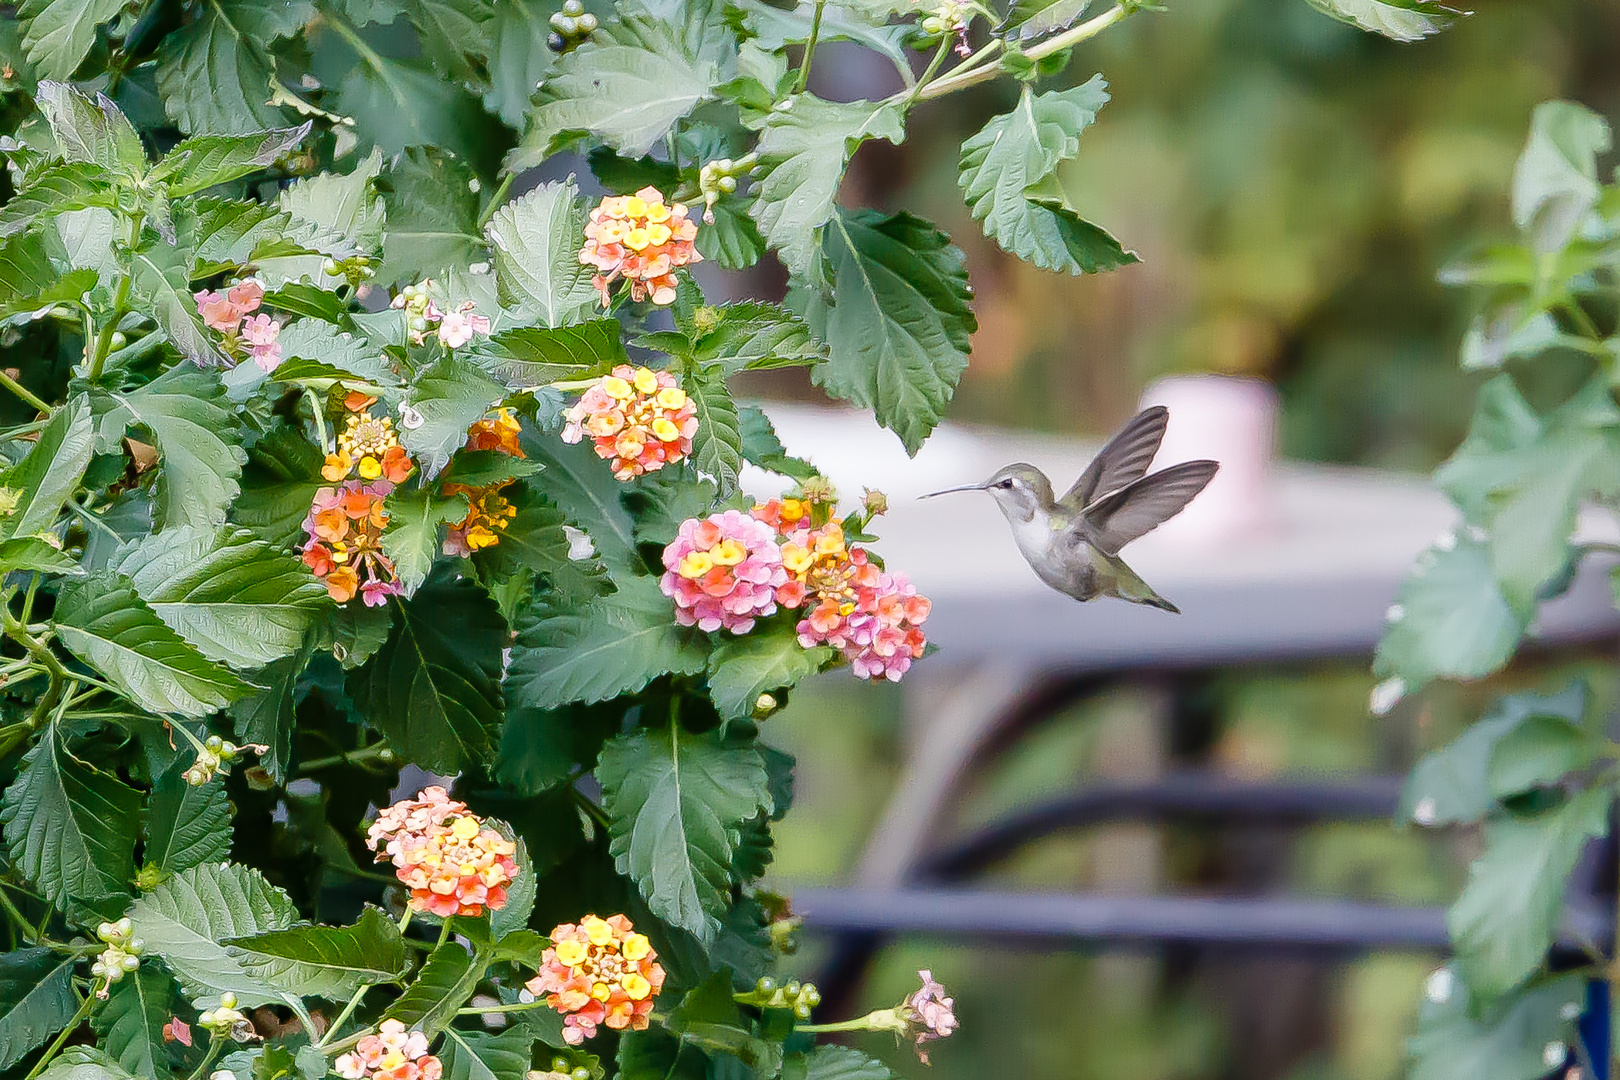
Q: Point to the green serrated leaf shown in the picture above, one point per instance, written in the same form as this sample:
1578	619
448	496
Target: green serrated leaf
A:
163	279
70	828
1401	20
104	622
717	446
583	487
432	216
184	920
1453	621
1524	477
752	336
1008	179
435	688
91	130
199	163
805	143
58	33
532	356
536	240
708	1017
519	61
447	979
655	83
84	1063
196	436
534	540
33	553
1507	1041
451	396
330	962
186	825
731	241
899	324
475	1055
1503	922
835	1063
761	446
46	478
269	716
131	1022
674	801
343	204
615	645
1452	784
36	999
237	599
215	76
56	190
743	668
278	486
414	535
401	103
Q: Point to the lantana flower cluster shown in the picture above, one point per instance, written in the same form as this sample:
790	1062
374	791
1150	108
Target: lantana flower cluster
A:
637	418
641	239
368	446
726	570
723	572
454	328
452	862
598	971
488	511
231	313
392	1054
345	526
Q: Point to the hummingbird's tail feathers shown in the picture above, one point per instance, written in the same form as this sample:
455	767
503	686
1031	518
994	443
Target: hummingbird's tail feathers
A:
1137	509
1123	461
1127	584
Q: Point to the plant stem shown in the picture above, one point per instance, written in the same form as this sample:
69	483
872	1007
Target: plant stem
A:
860	1023
348	1010
521	1006
120	302
353	757
27	395
89	518
495	200
810	48
215	1045
24	927
72	1026
17	632
444	931
960	79
930	70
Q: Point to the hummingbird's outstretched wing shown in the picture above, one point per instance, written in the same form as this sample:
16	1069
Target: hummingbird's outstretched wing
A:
1138	508
1125	459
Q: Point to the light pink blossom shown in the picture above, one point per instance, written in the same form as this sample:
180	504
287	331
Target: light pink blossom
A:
723	572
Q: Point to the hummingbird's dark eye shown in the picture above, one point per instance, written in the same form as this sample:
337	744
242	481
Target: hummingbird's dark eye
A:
1007	483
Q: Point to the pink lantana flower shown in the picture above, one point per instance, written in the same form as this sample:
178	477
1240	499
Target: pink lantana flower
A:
723	572
457	327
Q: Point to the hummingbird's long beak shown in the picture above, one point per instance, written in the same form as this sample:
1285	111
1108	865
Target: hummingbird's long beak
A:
948	491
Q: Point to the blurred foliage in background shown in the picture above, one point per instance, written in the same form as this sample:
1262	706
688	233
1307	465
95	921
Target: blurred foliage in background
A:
1292	186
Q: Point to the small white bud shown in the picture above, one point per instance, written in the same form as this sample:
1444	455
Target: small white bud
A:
1440	986
1554	1054
1570	1010
1395	613
1386	695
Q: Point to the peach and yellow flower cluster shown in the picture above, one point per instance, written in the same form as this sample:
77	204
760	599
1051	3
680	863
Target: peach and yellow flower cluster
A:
599	971
345	526
231	313
488	511
391	1054
725	571
637	418
641	239
367	446
453	863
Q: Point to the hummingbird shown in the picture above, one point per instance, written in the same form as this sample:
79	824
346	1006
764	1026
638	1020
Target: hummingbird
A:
1073	543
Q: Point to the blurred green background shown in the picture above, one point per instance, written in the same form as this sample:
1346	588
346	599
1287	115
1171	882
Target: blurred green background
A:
1292	186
